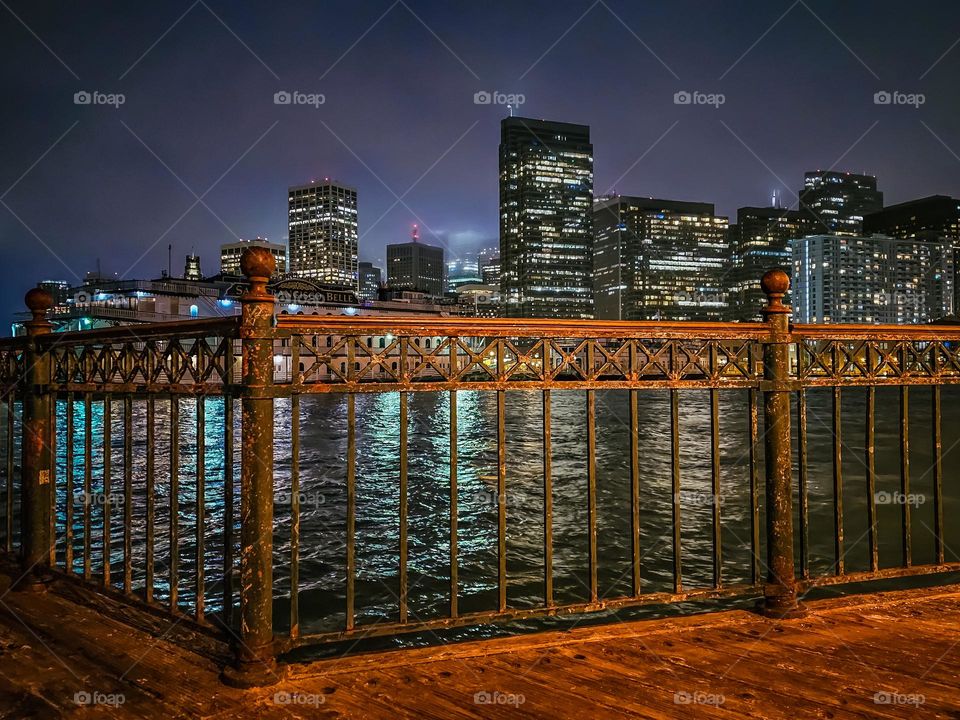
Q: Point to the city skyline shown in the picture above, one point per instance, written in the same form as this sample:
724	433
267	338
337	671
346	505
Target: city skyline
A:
799	85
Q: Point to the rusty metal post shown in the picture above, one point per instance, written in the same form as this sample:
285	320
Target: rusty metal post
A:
780	589
255	663
36	497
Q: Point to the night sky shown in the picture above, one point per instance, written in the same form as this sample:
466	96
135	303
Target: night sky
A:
399	121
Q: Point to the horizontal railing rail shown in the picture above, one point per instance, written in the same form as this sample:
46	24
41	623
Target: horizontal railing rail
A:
128	440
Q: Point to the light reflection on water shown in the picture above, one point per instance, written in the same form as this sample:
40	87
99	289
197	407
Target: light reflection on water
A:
323	496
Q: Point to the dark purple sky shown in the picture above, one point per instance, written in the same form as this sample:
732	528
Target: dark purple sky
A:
399	117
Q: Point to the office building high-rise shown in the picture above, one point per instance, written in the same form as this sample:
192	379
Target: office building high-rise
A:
370	279
323	233
230	255
191	268
836	202
931	218
876	279
416	266
465	270
659	260
760	241
546	193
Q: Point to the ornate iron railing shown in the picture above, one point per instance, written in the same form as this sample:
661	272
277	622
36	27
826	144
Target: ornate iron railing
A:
127	438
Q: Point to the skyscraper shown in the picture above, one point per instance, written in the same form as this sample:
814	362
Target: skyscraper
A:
760	241
659	260
416	266
230	255
323	233
931	218
838	201
877	279
370	279
546	193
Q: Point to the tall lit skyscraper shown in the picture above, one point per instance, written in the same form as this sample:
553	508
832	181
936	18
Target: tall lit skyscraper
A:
416	266
931	218
659	260
230	255
323	233
760	241
546	193
370	279
837	201
877	279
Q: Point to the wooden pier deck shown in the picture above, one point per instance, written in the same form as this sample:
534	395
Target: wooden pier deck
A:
892	655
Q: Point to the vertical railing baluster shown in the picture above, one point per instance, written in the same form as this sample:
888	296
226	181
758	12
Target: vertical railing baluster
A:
11	423
547	494
804	479
351	520
634	491
201	507
905	473
501	491
295	517
454	583
753	422
228	500
871	468
127	493
675	489
403	499
52	450
174	529
780	589
87	482
715	484
592	491
150	484
937	455
68	509
107	486
838	483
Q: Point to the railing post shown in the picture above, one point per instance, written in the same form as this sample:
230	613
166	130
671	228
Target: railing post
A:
780	589
36	483
255	663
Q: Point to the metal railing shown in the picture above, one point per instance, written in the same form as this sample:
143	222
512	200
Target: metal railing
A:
175	536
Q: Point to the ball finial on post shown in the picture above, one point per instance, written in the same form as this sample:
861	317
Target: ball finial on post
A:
258	265
775	284
38	302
